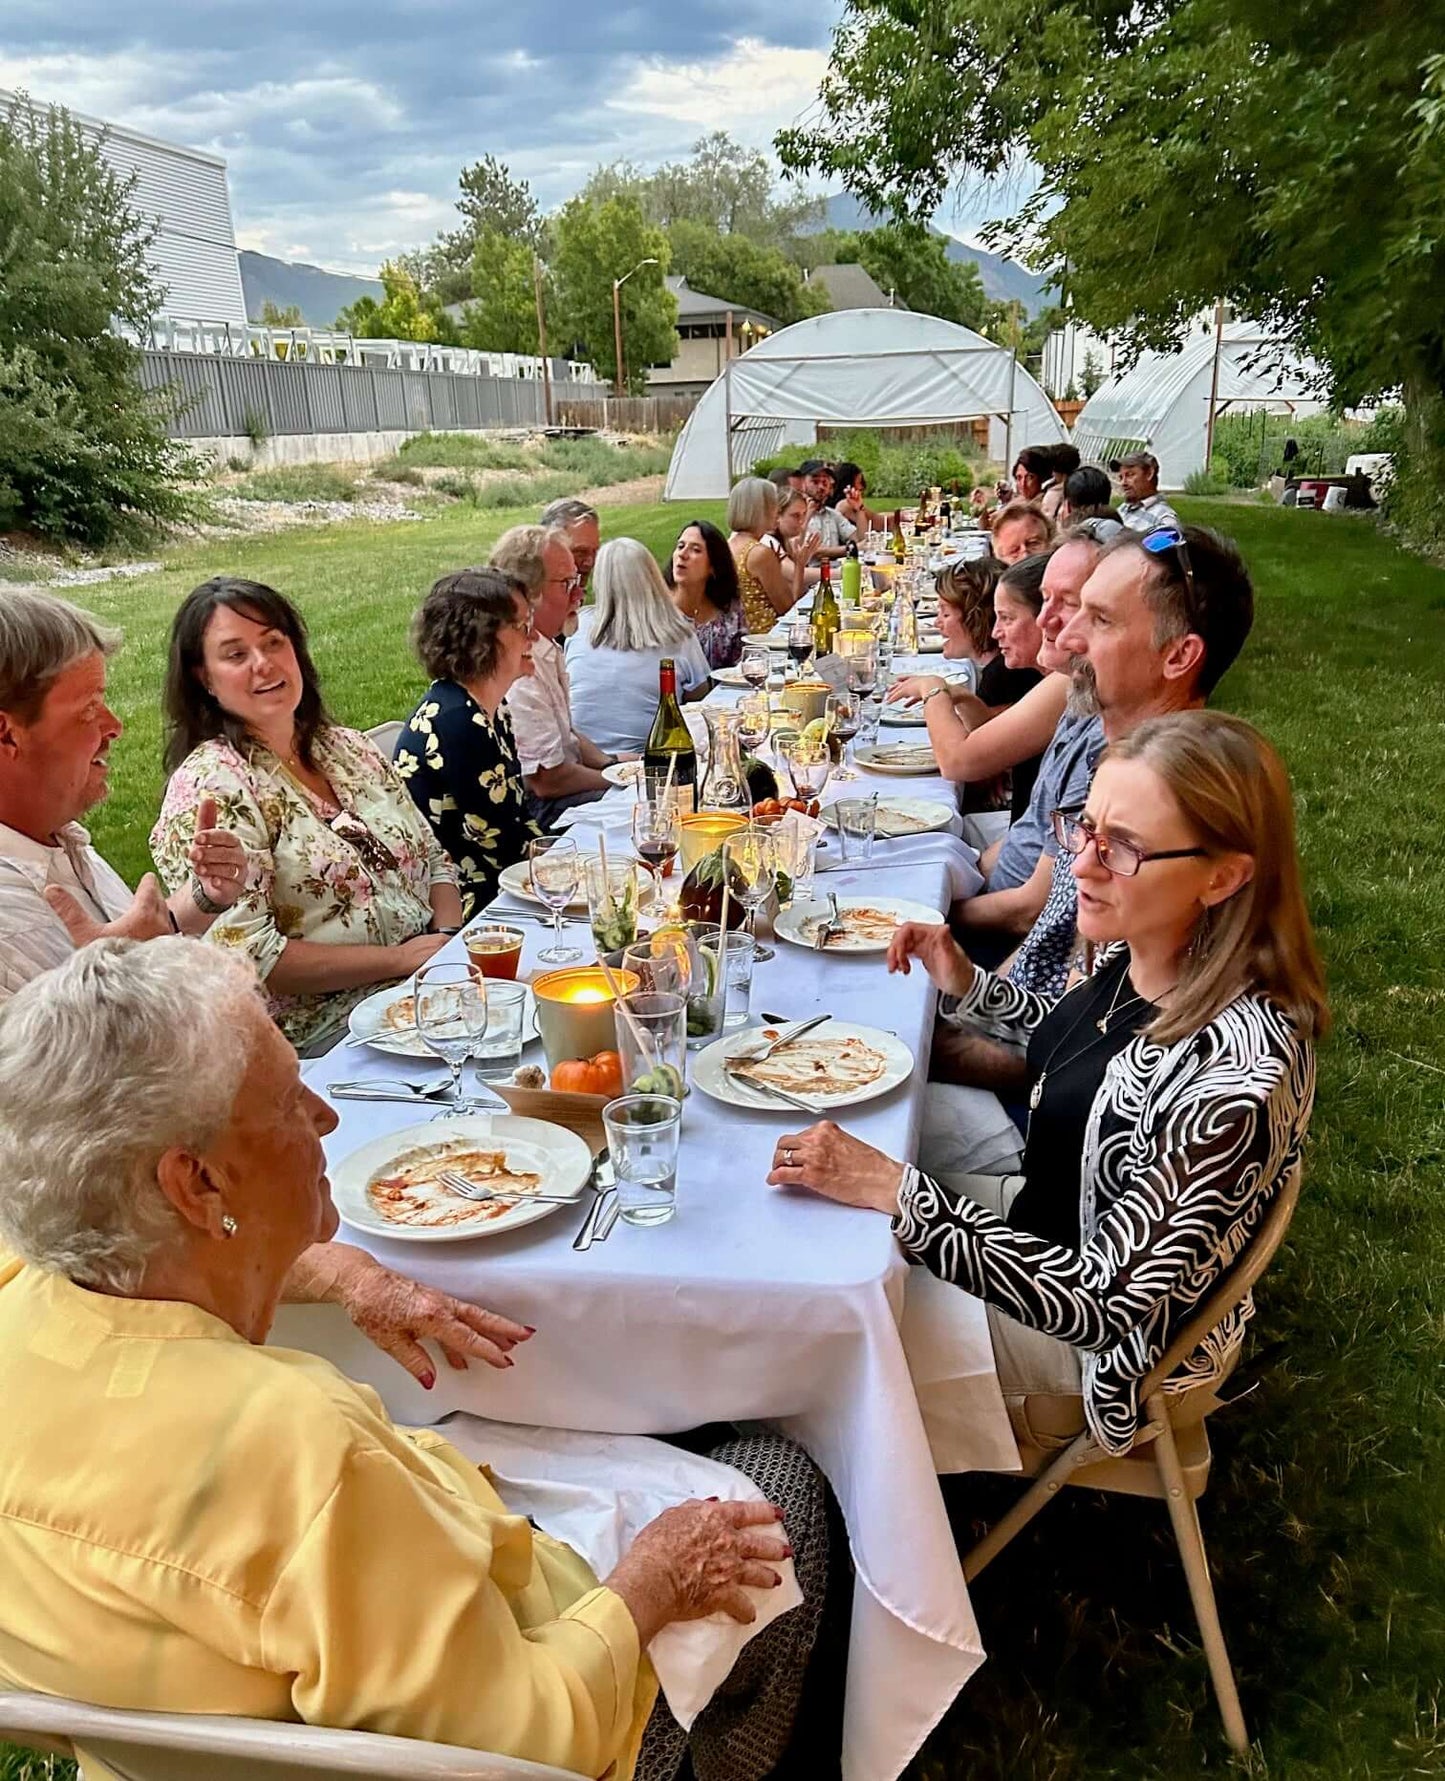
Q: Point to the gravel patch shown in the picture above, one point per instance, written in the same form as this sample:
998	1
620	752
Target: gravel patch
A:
279	516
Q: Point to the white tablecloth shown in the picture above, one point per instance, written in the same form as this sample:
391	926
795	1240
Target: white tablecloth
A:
750	1304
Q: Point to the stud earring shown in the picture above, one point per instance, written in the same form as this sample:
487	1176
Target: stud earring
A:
229	1227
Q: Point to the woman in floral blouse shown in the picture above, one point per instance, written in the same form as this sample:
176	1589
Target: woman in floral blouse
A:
348	887
473	635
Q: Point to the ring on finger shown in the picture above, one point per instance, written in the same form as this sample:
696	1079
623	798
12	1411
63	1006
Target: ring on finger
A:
788	1156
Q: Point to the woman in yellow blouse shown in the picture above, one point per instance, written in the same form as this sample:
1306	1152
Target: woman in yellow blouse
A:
349	887
195	1523
767	590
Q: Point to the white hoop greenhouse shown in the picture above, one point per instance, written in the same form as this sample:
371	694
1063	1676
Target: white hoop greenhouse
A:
1162	404
855	368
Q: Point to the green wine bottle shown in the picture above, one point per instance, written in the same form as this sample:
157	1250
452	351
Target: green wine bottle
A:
670	746
827	619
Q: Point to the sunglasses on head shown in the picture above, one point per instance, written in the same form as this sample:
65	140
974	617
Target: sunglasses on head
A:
1169	541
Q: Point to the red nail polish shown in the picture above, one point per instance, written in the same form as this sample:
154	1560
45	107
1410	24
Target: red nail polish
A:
530	1328
427	1381
507	1361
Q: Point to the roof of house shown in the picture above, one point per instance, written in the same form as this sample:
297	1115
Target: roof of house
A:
697	306
852	287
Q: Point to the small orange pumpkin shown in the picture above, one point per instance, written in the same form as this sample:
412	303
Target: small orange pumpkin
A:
600	1074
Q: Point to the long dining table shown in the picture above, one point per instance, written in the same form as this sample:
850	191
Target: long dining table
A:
751	1304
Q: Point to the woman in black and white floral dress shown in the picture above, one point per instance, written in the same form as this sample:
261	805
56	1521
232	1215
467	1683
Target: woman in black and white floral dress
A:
1170	1090
456	755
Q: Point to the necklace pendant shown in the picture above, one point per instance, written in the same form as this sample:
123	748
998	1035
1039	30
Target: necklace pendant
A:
1036	1094
1103	1025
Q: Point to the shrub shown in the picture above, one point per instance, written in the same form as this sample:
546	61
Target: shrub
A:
469	451
460	488
895	472
299	482
1211	479
84	452
393	470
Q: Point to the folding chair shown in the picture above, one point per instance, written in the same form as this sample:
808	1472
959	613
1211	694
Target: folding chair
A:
387	735
181	1746
1168	1460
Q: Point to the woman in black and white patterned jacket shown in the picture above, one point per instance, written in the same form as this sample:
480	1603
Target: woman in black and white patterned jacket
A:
1170	1089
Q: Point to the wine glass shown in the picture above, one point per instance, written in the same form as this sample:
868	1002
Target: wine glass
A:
754	718
451	1020
655	832
862	667
809	765
750	863
555	869
844	714
755	665
800	641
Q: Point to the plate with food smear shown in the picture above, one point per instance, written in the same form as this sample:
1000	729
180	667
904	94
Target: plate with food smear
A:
835	1065
900	817
867	923
906	759
624	773
387	1022
392	1186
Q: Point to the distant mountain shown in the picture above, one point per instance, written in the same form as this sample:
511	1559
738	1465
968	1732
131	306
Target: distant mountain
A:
319	295
1003	280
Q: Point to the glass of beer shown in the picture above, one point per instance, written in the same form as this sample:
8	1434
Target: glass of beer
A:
494	951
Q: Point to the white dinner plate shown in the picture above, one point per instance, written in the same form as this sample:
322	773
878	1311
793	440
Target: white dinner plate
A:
367	1023
799	921
560	1157
905	717
516	880
905	759
932	816
709	1075
624	773
732	677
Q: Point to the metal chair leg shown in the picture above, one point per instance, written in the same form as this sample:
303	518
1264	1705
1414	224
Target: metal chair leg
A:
1190	1540
1044	1488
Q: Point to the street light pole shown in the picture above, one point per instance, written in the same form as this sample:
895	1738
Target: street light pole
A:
617	285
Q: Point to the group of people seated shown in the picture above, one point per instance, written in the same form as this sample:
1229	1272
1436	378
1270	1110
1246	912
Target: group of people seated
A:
1122	1081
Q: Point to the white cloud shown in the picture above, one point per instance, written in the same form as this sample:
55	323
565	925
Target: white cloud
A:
752	92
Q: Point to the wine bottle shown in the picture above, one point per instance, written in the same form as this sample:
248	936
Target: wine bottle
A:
900	549
827	619
670	745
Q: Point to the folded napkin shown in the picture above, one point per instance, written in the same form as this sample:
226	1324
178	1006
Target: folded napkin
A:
906	855
596	1493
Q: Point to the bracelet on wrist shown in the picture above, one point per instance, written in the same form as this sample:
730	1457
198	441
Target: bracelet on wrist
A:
932	693
206	905
448	931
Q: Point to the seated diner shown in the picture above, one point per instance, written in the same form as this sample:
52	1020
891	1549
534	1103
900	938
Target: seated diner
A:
1169	1090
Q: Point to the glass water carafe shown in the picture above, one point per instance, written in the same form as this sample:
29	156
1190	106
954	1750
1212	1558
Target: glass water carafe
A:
724	785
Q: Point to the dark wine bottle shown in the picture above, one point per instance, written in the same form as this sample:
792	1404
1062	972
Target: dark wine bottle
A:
827	618
670	745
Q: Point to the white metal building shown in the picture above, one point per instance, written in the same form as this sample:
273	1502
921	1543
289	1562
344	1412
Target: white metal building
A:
859	368
184	189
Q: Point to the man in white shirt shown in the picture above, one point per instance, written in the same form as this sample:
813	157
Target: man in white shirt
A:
560	766
1143	508
55	735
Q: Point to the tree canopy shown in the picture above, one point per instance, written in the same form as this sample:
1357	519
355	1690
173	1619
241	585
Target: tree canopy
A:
912	261
405	312
84	452
1288	159
593	244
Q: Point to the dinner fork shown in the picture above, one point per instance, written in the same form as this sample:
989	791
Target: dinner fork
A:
477	1190
826	929
756	1051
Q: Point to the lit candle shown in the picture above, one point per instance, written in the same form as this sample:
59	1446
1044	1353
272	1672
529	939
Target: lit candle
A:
575	1011
587	992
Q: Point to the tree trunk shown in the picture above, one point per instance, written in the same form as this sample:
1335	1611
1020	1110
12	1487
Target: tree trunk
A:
1416	502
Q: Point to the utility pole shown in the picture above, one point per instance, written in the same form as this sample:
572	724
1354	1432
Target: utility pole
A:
542	338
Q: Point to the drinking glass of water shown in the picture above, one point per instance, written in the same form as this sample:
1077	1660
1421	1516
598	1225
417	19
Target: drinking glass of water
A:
642	1139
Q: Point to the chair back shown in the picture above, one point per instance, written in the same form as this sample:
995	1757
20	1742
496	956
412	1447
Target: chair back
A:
1231	1289
387	735
137	1746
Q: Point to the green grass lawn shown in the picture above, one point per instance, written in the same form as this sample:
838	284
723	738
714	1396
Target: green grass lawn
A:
1326	1521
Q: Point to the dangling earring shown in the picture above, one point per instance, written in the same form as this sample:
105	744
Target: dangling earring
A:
229	1227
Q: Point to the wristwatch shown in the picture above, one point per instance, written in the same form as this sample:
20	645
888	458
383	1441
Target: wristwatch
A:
931	693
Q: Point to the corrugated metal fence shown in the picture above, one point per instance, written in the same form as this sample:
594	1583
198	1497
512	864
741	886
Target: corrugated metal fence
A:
214	396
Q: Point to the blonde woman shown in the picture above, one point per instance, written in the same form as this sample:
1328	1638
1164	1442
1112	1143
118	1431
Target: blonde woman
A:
612	662
767	590
1169	1091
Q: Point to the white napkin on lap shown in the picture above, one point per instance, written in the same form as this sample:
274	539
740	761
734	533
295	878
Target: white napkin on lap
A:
596	1493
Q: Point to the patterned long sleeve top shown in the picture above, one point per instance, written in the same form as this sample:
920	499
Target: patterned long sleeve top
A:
463	772
1186	1147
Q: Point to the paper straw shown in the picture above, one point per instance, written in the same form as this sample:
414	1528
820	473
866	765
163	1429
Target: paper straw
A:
640	1038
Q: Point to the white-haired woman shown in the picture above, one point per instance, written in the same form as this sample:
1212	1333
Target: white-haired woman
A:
198	1523
763	581
631	625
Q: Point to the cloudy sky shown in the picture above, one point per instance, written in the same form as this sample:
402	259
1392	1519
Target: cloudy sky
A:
344	124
